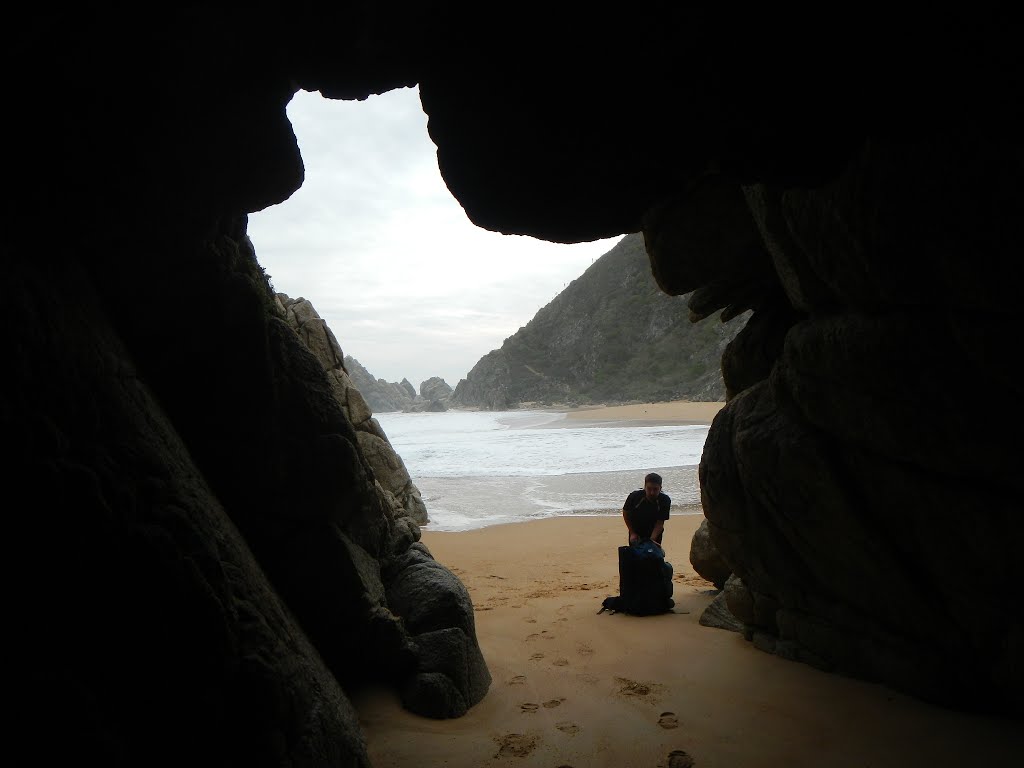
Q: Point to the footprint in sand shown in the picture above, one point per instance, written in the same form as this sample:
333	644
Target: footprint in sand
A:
677	758
517	680
564	609
567	727
529	707
584	650
517	744
632	688
530	621
561	662
537	657
552	703
668	720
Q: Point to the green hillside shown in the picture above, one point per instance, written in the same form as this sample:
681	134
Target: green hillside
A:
611	336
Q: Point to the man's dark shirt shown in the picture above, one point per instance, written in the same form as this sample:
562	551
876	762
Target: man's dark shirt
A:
644	514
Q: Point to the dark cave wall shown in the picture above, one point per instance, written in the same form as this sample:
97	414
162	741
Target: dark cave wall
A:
868	465
205	558
147	631
870	220
214	565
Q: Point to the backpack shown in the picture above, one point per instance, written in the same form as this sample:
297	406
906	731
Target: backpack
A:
645	582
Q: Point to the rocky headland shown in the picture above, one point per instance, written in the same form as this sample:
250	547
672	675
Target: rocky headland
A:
611	336
387	396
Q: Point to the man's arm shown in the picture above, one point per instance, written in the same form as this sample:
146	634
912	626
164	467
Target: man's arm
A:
659	530
664	502
625	518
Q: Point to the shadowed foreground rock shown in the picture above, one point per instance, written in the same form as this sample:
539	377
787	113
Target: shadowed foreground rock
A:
388	467
706	559
204	560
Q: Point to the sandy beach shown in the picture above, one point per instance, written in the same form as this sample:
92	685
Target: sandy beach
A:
677	412
572	687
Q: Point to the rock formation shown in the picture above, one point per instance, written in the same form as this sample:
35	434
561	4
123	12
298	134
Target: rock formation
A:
203	561
436	392
380	395
387	396
611	336
706	559
388	468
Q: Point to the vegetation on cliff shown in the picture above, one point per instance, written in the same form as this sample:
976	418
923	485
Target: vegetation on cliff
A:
611	336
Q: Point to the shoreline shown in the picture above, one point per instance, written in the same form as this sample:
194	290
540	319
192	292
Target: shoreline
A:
672	412
571	687
665	413
528	498
600	482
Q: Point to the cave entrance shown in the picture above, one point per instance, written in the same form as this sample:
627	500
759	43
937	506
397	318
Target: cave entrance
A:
374	240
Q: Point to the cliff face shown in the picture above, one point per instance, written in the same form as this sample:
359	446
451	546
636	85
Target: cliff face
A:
611	335
203	562
403	497
382	396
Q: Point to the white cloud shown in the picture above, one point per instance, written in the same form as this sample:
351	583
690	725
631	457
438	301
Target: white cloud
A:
409	286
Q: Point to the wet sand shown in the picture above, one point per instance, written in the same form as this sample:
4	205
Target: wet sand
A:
676	412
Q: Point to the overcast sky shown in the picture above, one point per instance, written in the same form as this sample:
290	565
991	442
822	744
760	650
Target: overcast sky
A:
409	286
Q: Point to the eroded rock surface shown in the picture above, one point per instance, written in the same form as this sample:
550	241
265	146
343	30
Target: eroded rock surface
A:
856	482
389	469
204	560
706	559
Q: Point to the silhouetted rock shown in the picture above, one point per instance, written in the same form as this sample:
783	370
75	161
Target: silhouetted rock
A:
206	564
706	559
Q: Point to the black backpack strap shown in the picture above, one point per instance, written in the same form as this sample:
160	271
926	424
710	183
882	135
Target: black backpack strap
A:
610	604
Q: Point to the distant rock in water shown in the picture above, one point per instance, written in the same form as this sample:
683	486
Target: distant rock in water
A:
380	395
611	336
388	396
435	388
434	396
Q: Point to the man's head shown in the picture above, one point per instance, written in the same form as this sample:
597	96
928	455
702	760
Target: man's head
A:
652	485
